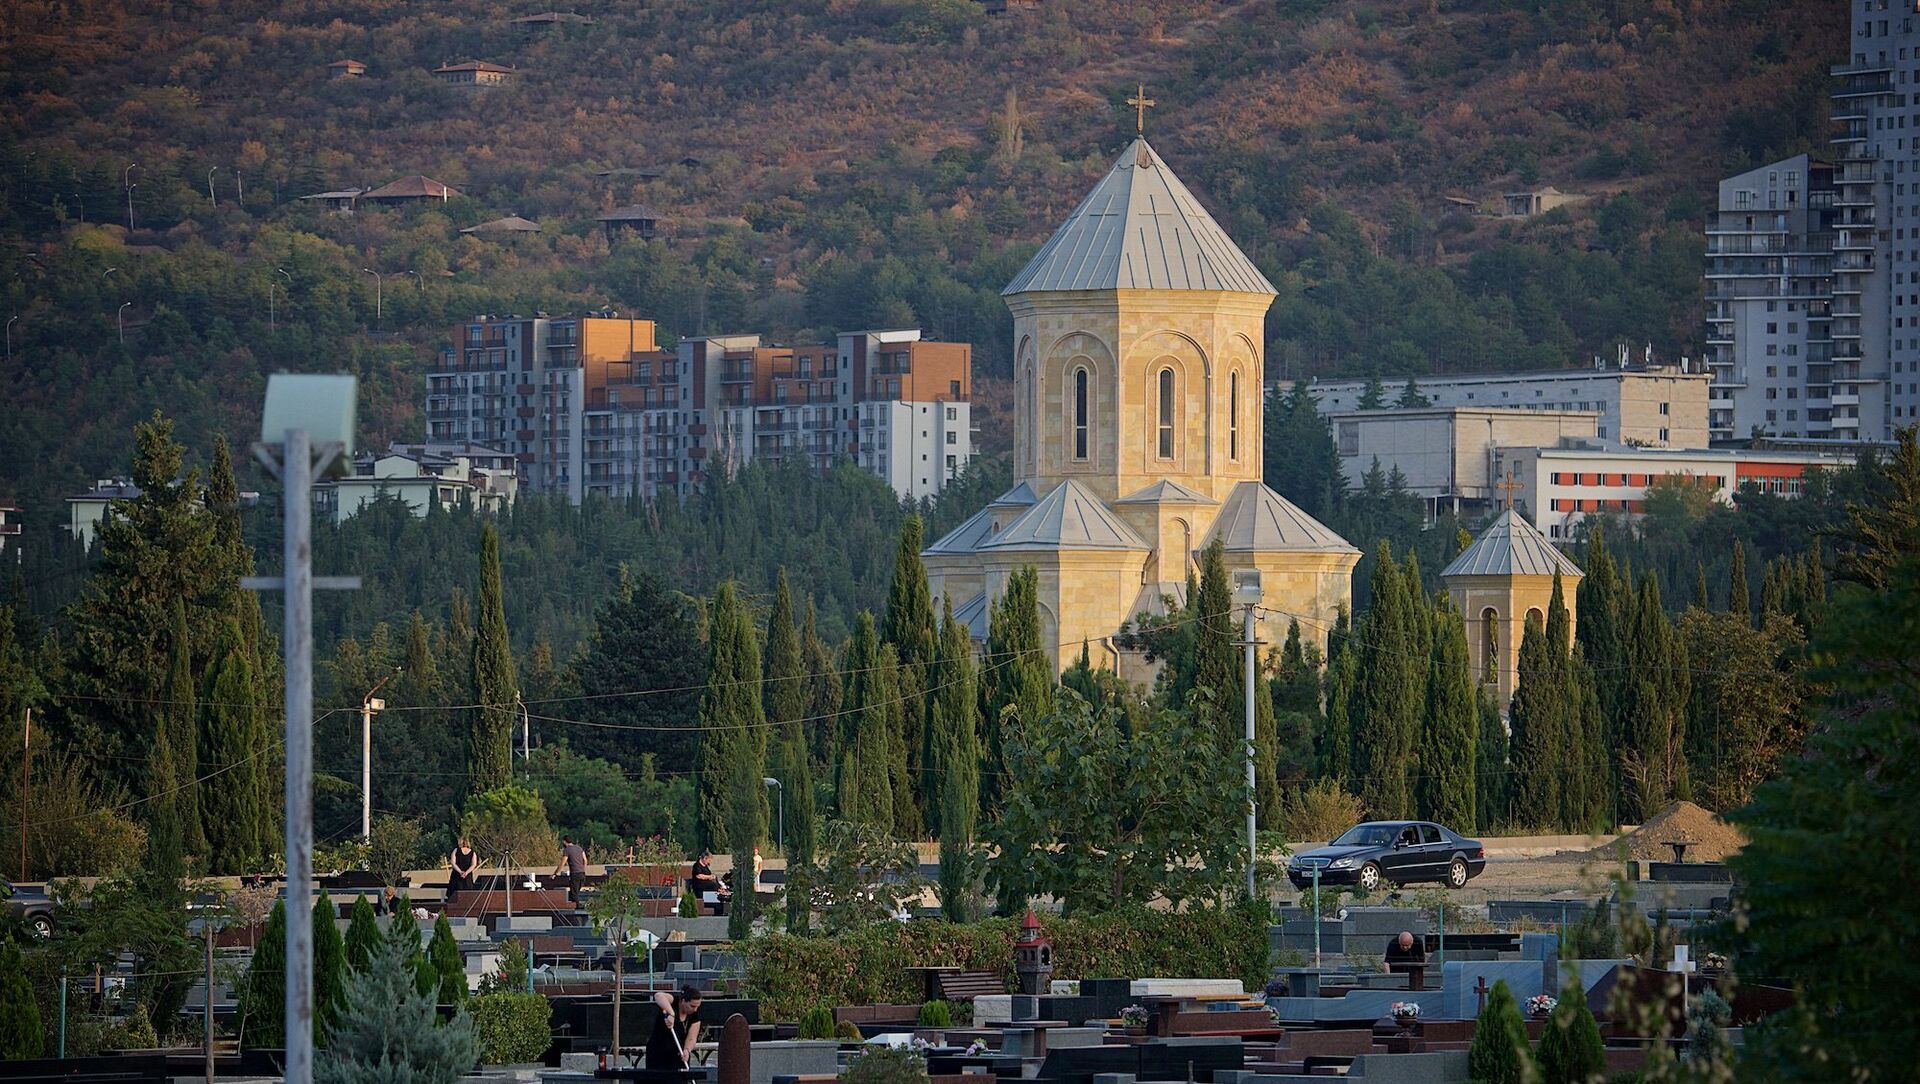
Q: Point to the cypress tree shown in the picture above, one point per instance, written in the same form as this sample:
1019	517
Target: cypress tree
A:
1334	752
403	933
1571	1051
490	737
956	765
239	829
1388	694
1268	803
263	998
1448	738
1500	1054
1605	613
1538	703
329	969
181	724
732	720
825	691
1216	662
865	788
363	935
1737	602
788	695
909	624
162	815
1490	774
21	1036
450	973
745	826
1586	794
1016	678
861	665
1700	586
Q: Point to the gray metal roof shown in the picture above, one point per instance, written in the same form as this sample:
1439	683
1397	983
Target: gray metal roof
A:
1255	519
1021	494
973	614
1166	492
1140	229
1069	518
1511	546
967	537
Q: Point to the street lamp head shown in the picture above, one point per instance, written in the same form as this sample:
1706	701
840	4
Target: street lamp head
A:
1246	586
770	781
323	404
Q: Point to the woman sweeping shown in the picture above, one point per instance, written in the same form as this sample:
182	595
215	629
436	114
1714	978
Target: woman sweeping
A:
670	1045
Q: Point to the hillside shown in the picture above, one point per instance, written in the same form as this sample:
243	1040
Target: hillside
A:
833	164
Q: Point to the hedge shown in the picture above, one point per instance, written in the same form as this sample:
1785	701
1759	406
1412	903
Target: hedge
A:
868	966
512	1027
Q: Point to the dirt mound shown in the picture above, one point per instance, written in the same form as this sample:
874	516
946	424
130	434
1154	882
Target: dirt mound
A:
1713	839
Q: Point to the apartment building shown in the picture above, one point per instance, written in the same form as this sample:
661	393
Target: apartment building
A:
1658	406
592	405
421	477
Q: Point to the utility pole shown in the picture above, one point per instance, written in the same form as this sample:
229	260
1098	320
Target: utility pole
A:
526	729
378	292
1246	591
211	198
26	773
206	1019
295	403
368	705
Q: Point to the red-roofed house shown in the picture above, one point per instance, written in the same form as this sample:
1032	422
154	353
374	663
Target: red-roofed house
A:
346	69
414	189
472	73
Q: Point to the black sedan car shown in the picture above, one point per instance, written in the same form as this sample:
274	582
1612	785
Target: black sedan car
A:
1391	852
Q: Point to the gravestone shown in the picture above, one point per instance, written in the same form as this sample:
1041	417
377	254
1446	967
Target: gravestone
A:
1459	977
736	1051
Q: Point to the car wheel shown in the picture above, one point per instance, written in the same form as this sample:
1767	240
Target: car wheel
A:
1369	877
1457	874
42	926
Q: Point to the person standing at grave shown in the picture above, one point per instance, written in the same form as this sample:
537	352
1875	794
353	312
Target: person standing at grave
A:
1406	955
573	859
675	1032
464	863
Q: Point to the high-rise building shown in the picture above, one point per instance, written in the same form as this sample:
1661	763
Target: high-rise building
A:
592	406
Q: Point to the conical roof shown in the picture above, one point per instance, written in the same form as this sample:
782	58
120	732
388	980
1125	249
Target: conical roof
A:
1021	494
1140	229
1069	518
966	537
1511	546
1255	519
1166	491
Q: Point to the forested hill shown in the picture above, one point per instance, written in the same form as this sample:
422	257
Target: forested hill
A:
827	164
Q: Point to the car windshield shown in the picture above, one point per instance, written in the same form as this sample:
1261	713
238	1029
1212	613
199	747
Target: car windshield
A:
1365	835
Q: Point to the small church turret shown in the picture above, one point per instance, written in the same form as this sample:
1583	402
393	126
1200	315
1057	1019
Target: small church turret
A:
1505	578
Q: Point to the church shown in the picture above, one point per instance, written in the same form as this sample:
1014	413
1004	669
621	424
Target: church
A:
1139	354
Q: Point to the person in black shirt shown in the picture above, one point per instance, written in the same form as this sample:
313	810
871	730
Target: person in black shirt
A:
1406	955
703	881
465	864
671	1044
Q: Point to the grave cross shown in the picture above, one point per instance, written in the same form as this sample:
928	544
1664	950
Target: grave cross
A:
1140	103
1683	963
1480	992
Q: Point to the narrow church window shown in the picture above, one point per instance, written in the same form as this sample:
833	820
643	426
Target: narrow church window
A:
1166	413
1233	416
1490	645
1079	413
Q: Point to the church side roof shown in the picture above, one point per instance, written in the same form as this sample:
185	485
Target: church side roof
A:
1021	494
1511	546
1166	491
973	614
965	538
1255	519
1069	518
1140	229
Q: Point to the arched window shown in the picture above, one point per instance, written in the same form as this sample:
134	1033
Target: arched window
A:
1166	413
1490	646
1233	415
1079	413
1537	619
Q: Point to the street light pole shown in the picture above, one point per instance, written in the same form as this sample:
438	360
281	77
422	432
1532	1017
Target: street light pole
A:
120	318
126	182
271	323
378	291
1247	592
211	198
526	728
10	321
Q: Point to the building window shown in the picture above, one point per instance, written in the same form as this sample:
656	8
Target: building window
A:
1080	414
1166	414
1233	416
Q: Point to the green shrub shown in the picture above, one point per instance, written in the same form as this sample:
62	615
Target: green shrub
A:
512	1027
867	965
886	1065
1499	1053
1570	1048
511	978
689	906
936	1014
816	1023
848	1030
20	1033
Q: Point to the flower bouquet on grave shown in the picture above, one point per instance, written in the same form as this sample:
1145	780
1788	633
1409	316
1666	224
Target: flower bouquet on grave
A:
978	1048
1541	1006
1405	1013
1134	1016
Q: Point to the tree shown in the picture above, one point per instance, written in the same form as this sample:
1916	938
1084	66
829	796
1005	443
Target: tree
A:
21	1036
450	971
239	826
644	637
1570	1048
1389	691
1737	602
909	624
1101	815
1825	824
403	934
506	822
1214	663
495	681
617	908
263	1000
1500	1054
956	765
1300	459
826	692
1537	749
1016	679
732	720
363	935
329	969
1373	396
182	734
1451	727
863	786
387	1032
1491	777
1333	750
1884	526
1602	634
1649	742
746	824
1410	397
1746	716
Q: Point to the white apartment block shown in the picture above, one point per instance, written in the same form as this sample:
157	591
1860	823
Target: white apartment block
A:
1656	407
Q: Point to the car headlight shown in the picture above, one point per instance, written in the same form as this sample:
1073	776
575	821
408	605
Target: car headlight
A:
1340	863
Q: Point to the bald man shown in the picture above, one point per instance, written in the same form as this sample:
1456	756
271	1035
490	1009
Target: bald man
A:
1405	954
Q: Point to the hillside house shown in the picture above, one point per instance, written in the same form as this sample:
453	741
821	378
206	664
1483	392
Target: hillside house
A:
339	202
1537	202
547	21
414	189
346	69
473	73
1001	7
633	220
510	226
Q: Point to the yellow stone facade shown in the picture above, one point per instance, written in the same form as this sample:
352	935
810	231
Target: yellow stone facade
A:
1496	609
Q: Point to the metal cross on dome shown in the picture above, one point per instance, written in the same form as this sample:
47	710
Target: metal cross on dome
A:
1507	486
1140	103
